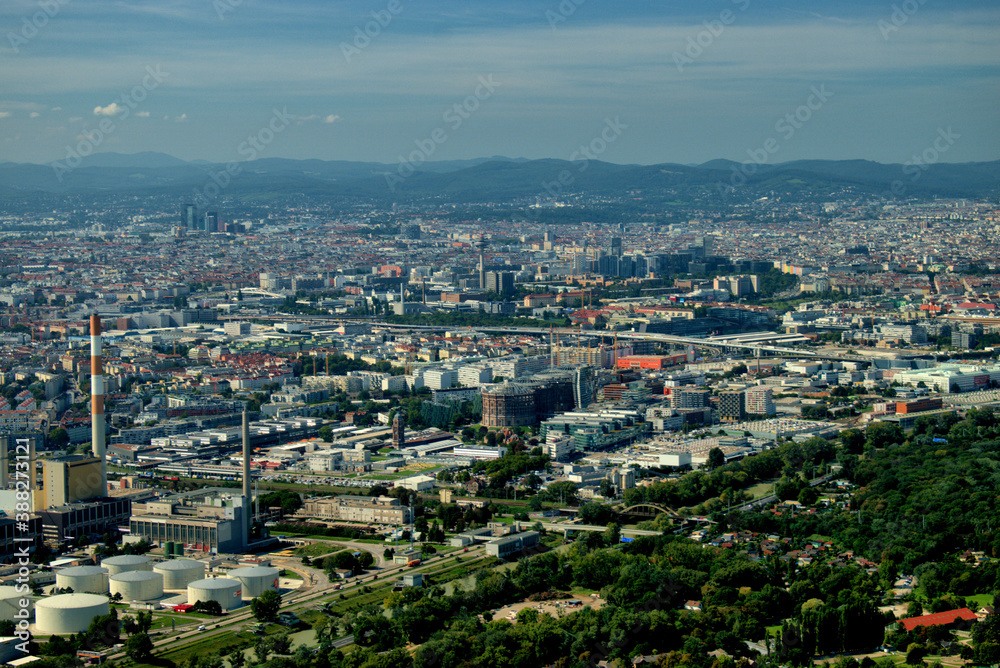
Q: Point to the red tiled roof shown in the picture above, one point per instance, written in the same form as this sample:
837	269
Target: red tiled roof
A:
938	619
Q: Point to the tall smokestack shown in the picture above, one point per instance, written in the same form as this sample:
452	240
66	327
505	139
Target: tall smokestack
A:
97	425
247	498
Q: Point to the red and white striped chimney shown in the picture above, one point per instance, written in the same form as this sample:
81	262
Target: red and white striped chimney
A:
97	428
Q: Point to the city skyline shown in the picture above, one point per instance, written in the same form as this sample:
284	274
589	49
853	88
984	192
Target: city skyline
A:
685	84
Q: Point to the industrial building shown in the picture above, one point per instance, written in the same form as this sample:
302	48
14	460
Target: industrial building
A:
72	478
83	518
508	546
209	519
371	510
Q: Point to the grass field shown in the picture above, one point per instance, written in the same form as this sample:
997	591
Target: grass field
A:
316	549
978	600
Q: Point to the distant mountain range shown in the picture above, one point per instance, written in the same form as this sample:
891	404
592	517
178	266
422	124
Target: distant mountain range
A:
495	178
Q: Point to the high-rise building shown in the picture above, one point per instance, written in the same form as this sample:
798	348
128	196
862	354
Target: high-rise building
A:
212	221
583	387
616	246
760	401
690	399
500	282
189	217
705	245
731	407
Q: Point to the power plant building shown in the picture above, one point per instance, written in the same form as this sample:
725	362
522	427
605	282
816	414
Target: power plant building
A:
72	478
209	519
83	518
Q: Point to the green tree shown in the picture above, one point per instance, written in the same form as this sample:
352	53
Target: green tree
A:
716	458
266	606
139	647
58	437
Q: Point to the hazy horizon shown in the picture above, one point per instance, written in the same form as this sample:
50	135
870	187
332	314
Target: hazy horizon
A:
386	80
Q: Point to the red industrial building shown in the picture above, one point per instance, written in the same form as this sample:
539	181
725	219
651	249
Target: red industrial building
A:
918	406
653	362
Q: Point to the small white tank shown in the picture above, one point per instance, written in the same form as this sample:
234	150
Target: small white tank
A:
83	579
137	585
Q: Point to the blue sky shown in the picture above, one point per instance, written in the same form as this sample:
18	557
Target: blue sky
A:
891	76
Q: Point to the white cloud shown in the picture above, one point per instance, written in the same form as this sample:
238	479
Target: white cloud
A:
34	114
143	114
112	109
75	119
180	119
56	108
4	114
331	119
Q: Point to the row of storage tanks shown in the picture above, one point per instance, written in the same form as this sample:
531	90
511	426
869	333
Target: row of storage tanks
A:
137	578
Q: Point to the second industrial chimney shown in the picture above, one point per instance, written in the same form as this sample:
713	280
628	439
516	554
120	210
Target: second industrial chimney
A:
97	424
247	497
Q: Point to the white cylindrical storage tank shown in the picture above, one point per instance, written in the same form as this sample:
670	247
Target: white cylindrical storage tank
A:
137	585
229	593
10	602
179	573
69	613
255	579
83	579
127	563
